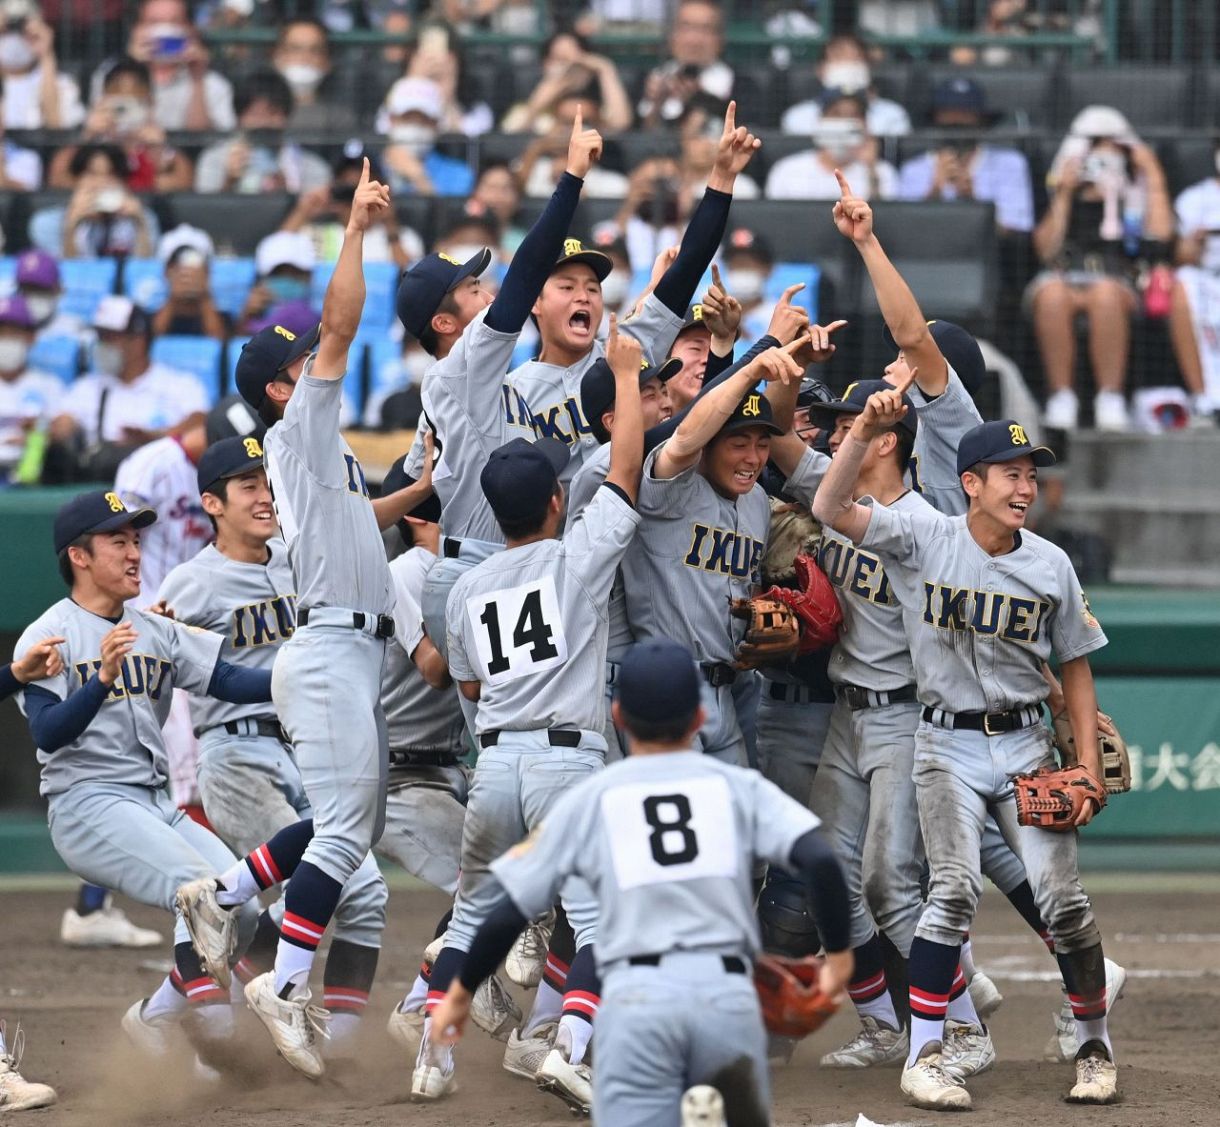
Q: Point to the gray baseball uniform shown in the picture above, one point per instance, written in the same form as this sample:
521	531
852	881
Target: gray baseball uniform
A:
942	422
668	844
530	626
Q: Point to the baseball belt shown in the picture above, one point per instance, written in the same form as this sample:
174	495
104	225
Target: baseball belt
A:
799	694
423	757
270	728
718	673
556	737
380	625
732	964
857	697
989	723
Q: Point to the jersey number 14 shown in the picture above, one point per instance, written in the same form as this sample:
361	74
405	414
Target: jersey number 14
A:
518	631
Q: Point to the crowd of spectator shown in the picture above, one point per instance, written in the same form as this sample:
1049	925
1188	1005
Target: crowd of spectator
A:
176	108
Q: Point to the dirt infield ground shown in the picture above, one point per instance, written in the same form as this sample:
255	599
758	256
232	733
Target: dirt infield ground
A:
1164	932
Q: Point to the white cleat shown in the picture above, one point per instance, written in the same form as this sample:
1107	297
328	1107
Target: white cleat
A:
927	1085
434	1077
152	1036
107	927
985	995
572	1083
527	959
702	1106
1063	1043
213	929
968	1050
407	1030
493	1009
523	1056
16	1092
874	1045
1096	1076
296	1026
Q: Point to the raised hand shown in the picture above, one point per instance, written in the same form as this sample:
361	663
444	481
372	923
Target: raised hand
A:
779	363
371	199
40	661
721	310
623	352
426	467
584	146
821	348
449	1017
736	149
852	215
116	645
788	321
883	409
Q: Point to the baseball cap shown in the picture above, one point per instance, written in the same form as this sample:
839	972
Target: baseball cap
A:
228	458
14	311
270	350
694	319
424	286
753	411
298	316
184	237
118	314
748	242
521	476
959	93
37	268
958	347
101	511
657	681
597	388
1000	440
812	392
285	248
415	95
852	403
397	478
575	251
232	418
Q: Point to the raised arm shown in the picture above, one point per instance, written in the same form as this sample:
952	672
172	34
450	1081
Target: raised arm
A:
393	507
625	357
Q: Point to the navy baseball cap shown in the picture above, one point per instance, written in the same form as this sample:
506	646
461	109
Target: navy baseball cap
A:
753	411
424	286
1000	440
575	251
228	458
521	476
958	347
397	478
96	512
959	93
597	389
694	319
232	417
269	351
852	403
812	392
657	681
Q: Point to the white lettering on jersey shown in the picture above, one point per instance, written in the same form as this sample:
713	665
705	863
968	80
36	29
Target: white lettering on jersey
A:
517	631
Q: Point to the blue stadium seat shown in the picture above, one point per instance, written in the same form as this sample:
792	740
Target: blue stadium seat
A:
86	281
144	282
785	274
8	274
232	352
198	355
59	355
385	366
231	280
381	284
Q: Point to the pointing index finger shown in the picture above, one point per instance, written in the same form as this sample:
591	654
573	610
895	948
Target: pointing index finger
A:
730	118
844	186
906	381
834	325
578	122
716	276
364	173
791	292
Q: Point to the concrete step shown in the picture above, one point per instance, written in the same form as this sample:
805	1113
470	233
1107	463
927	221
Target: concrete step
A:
1145	464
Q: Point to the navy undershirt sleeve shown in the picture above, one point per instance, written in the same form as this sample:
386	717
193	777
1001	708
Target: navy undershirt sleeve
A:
814	859
492	943
8	682
55	723
237	685
699	244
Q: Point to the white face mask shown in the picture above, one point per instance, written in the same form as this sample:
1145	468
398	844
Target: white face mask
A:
614	289
838	138
745	285
41	306
463	252
302	76
416	364
12	355
15	52
846	76
107	358
418	138
130	114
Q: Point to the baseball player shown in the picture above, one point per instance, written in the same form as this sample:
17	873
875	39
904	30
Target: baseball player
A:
985	604
327	676
97	726
242	588
527	640
667	839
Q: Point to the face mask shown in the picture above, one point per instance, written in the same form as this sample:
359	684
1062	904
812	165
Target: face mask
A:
838	138
745	285
846	76
416	364
287	289
107	358
12	355
15	52
130	114
41	306
418	138
463	252
302	76
614	289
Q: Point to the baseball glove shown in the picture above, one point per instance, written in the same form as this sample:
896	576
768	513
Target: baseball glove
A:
814	604
792	1003
1052	799
1115	761
793	531
772	636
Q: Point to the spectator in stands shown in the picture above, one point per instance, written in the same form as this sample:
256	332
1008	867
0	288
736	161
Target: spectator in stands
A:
260	158
844	66
1108	196
542	163
396	25
102	217
616	286
302	56
499	192
398	403
36	95
700	127
122	115
26	395
189	310
187	95
1004	18
643	17
748	262
841	140
467	235
38	284
965	168
1194	318
696	40
413	109
651	217
126	399
437	59
322	215
20	168
570	69
285	262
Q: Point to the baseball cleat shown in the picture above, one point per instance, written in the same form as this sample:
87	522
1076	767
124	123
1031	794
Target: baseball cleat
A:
968	1050
985	995
927	1085
523	1056
295	1024
493	1009
1096	1076
213	929
874	1045
107	927
1063	1042
153	1036
702	1106
407	1030
433	949
572	1083
16	1092
434	1076
527	959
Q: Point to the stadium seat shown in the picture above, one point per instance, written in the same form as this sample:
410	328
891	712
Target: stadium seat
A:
59	355
232	352
785	274
8	274
1148	95
381	286
231	279
144	282
85	282
200	356
1025	95
236	222
1188	160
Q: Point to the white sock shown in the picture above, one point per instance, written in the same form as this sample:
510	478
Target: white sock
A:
165	1001
342	1027
961	1009
1094	1031
292	965
415	997
216	1019
966	959
548	1006
574	1036
922	1032
880	1009
3	1048
237	885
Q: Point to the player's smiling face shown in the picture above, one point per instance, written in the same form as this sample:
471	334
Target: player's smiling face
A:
569	309
1006	493
247	511
113	563
655	403
733	461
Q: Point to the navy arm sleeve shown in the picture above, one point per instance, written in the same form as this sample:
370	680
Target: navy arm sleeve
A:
716	365
492	942
8	683
55	723
813	858
535	259
237	685
699	244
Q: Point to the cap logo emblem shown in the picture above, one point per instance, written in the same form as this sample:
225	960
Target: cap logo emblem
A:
697	312
253	449
752	408
643	365
1018	435
447	258
571	246
287	334
115	502
849	389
